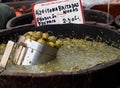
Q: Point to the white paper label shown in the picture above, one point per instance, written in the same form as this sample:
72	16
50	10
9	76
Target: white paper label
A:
58	12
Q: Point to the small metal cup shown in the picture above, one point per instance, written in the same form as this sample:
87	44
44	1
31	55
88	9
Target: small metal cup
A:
29	52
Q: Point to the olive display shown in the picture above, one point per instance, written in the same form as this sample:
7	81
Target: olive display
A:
74	55
44	38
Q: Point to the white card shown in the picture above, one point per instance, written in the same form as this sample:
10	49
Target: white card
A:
58	12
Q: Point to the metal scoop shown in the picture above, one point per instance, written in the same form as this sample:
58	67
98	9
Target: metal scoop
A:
29	52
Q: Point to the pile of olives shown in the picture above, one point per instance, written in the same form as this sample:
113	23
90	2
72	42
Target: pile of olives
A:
44	38
2	48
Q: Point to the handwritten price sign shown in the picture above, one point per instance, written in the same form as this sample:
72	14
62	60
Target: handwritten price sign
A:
58	12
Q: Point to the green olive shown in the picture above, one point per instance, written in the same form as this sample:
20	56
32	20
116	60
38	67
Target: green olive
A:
30	33
42	41
52	38
33	38
15	45
37	35
45	35
67	39
28	36
58	43
2	46
52	44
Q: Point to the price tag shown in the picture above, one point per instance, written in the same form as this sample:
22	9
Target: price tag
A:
58	12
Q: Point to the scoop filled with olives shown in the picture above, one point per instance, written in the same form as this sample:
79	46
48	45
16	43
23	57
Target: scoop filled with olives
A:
36	47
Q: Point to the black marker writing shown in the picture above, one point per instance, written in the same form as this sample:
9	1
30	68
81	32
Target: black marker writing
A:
70	20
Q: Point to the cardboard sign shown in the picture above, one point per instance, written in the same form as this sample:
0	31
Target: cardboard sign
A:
58	12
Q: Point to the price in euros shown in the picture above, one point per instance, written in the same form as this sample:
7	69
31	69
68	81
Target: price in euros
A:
70	20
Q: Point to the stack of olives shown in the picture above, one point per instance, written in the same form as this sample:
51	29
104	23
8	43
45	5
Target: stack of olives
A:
44	38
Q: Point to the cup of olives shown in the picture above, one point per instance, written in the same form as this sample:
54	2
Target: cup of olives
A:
36	48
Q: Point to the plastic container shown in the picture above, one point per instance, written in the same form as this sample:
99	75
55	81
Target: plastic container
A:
24	20
117	21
